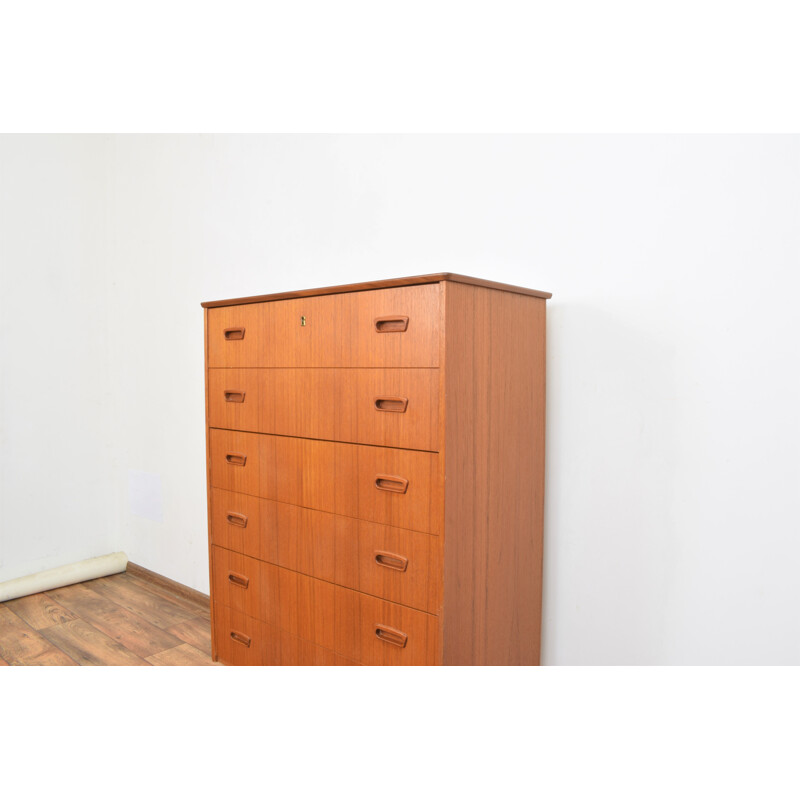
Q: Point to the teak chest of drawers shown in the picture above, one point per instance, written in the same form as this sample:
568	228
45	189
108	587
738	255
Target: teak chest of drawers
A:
376	473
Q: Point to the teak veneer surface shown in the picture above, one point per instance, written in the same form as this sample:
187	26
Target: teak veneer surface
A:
375	457
494	499
391	563
331	476
382	284
386	407
337	330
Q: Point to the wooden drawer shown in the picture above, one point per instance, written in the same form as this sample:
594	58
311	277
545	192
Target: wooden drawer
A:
396	327
295	603
391	563
358	627
401	488
239	639
237	583
389	407
244	641
373	631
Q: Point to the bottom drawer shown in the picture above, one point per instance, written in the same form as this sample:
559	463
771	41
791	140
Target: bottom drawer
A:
238	639
373	631
246	642
359	627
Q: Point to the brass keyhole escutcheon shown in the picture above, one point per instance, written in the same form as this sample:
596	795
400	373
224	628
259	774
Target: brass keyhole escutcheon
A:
302	322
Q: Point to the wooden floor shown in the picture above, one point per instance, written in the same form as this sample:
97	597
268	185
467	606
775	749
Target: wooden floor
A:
122	620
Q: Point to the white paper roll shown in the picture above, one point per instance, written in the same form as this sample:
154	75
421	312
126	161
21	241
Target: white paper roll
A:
64	576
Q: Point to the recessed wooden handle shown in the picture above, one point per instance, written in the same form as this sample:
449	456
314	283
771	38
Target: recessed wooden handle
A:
391	635
397	404
391	324
238	580
236	459
232	334
234	397
391	483
241	638
391	560
234	518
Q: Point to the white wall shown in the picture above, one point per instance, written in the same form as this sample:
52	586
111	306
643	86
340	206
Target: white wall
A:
672	478
55	396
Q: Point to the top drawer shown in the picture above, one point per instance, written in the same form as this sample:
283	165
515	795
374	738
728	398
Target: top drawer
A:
380	328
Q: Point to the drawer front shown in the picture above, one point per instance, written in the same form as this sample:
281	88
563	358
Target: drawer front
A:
237	583
358	627
381	328
401	488
239	638
388	407
244	641
295	603
296	652
391	563
373	631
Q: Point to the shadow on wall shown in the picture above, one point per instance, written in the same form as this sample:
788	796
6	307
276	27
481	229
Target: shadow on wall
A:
609	549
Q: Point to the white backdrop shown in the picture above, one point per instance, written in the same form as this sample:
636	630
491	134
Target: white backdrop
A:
671	527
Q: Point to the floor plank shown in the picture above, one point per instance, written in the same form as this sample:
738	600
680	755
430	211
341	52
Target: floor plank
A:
196	632
49	658
194	608
182	656
89	646
130	630
22	645
39	611
156	609
124	619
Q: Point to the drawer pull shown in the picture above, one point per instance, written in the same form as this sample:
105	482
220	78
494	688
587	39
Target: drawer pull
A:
239	580
241	638
233	334
236	459
398	404
391	635
391	324
240	520
391	483
390	560
234	397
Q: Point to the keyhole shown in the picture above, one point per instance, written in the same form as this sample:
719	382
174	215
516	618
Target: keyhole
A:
303	321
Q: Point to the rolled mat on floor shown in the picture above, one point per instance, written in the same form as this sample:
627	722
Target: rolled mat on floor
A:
63	576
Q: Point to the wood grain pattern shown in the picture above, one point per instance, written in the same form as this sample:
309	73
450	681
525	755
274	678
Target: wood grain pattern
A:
64	637
360	535
336	404
195	631
295	603
125	627
184	655
39	611
360	617
268	645
330	476
240	640
382	284
330	547
21	644
328	616
156	609
329	331
88	646
494	451
187	598
214	653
